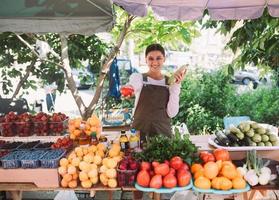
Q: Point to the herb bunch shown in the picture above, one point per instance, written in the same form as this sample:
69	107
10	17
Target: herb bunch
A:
160	148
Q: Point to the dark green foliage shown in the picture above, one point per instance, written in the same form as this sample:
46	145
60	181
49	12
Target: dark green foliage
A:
206	99
257	40
79	48
161	148
203	101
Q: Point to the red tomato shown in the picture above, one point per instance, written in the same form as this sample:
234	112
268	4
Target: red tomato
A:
167	162
221	154
185	166
183	178
143	178
172	171
176	162
207	157
145	166
156	182
162	169
169	181
155	164
126	91
151	173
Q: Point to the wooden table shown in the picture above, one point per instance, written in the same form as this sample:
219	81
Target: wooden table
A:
200	140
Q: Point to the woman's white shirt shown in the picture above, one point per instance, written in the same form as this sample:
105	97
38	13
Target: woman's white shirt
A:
136	81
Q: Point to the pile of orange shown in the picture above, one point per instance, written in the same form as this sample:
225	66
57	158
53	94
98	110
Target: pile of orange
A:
78	127
220	175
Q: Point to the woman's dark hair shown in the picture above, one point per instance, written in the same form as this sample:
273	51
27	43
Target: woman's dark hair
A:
155	47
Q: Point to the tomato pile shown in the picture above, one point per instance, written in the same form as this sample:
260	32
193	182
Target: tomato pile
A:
171	173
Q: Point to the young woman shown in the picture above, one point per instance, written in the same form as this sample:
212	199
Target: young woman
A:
156	102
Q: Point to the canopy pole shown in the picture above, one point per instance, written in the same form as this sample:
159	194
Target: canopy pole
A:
100	8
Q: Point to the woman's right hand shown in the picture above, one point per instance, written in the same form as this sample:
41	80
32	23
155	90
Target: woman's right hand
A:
127	91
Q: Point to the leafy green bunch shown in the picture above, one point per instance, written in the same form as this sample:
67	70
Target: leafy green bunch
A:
160	148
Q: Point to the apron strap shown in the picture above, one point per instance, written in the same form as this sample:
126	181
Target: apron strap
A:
144	78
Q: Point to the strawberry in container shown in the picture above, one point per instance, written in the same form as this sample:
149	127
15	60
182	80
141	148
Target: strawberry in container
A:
63	143
7	126
24	125
58	123
40	123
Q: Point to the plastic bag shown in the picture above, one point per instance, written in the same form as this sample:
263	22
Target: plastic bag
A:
187	194
66	195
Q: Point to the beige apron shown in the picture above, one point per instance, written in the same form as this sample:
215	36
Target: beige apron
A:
151	116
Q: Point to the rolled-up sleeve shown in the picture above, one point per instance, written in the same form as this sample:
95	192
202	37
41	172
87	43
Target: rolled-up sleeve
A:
173	104
135	81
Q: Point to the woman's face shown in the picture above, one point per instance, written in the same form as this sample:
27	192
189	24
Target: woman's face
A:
155	60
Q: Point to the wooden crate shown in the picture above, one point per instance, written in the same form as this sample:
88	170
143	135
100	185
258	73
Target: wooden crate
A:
40	177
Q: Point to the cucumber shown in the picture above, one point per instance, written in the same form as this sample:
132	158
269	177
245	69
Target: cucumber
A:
222	138
246	141
233	139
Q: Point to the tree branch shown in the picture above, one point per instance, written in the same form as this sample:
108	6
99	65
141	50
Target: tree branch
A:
69	75
106	65
25	77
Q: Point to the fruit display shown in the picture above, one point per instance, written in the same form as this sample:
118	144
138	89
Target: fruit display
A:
58	123
7	126
51	158
12	159
23	125
218	173
89	165
28	145
168	174
82	129
40	124
30	159
2	142
126	171
45	145
62	143
247	134
11	145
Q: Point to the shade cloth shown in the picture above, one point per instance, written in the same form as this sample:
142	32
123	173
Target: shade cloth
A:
194	9
57	16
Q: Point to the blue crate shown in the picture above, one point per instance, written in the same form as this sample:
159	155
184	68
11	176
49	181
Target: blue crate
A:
235	120
12	160
51	158
31	159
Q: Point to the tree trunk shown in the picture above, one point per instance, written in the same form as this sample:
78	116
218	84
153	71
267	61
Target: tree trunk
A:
25	77
105	68
69	77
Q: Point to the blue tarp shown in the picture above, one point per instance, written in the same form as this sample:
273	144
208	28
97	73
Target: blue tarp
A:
114	81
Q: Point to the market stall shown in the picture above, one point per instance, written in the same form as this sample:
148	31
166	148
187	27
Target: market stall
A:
82	157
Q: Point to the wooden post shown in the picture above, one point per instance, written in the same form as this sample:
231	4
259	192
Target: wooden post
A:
16	195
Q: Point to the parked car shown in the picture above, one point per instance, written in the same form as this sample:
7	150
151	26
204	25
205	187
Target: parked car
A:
83	78
250	75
